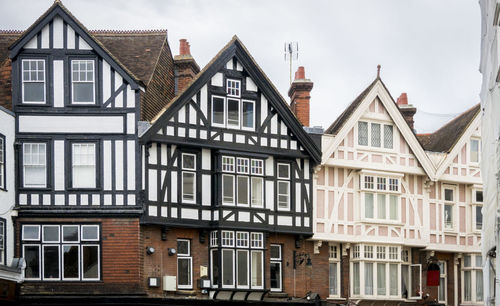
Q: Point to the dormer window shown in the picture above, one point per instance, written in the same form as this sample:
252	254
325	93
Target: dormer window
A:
375	135
33	81
233	88
83	81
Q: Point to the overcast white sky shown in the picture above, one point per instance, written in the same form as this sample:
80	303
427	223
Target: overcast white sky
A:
427	48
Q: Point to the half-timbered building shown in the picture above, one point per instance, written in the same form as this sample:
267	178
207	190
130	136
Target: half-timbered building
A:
389	203
228	185
79	96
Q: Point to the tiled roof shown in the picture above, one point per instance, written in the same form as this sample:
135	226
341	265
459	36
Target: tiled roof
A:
7	37
445	138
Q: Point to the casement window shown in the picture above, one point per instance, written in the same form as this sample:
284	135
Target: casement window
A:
449	208
475	150
232	111
184	264
442	281
380	196
68	252
472	278
242	181
283	186
275	266
374	271
3	181
238	262
83	81
375	135
84	165
35	165
334	270
3	244
188	177
233	88
33	71
411	277
477	209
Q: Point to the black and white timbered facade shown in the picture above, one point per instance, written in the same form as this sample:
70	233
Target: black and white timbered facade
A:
228	157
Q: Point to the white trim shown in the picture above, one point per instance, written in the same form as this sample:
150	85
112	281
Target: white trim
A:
62	262
86	60
58	261
89	225
30	225
98	262
44	80
70	225
223	124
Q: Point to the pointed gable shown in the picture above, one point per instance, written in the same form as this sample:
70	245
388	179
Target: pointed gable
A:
274	124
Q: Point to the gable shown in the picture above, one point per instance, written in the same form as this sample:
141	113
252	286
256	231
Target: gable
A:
208	104
375	105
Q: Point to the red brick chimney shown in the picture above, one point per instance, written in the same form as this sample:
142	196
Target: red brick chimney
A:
185	66
407	110
300	95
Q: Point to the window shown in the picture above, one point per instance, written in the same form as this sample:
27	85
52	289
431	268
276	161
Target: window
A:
376	135
477	209
34	165
283	186
188	178
3	181
82	81
231	111
384	203
59	252
449	208
242	262
3	243
472	278
475	150
184	264
33	81
233	88
442	281
247	187
84	165
218	111
275	266
334	271
248	117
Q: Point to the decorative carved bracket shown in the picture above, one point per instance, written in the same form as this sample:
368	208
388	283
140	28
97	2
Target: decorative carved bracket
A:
317	245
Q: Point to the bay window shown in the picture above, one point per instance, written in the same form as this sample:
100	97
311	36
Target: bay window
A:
66	252
380	197
376	135
188	177
34	87
84	165
83	81
242	181
472	278
184	264
35	165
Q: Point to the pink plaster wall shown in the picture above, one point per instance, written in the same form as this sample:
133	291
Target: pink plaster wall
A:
462	219
331	203
321	177
372	107
341	209
320	208
383	231
350	206
331	180
320	227
419	184
421	211
350	138
403	210
432	214
463	155
461	192
340	177
376	158
450	239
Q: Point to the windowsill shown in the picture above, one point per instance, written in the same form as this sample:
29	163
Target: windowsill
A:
83	189
93	104
371	149
25	189
187	291
333	297
384	222
450	231
380	298
33	104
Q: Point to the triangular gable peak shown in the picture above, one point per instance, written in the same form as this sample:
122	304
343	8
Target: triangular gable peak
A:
462	161
272	125
375	105
57	28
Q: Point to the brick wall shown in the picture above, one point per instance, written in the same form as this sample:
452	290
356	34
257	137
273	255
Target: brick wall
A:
120	258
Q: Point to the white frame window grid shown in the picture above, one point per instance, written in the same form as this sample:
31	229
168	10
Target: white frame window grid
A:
37	72
475	269
231	123
452	204
2	162
276	261
41	242
442	277
239	172
186	172
334	252
233	88
384	190
383	143
477	205
40	162
183	257
79	80
478	153
85	158
283	181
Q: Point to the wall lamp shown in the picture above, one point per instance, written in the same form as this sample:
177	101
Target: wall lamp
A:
150	250
172	251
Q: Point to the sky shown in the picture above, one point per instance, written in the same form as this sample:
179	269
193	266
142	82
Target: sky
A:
428	49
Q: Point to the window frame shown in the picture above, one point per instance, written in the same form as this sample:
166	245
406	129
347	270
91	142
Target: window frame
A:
239	168
3	166
382	139
473	268
3	241
334	254
95	82
453	203
243	127
215	124
45	83
478	151
278	261
236	81
284	180
47	165
185	256
97	162
443	275
191	171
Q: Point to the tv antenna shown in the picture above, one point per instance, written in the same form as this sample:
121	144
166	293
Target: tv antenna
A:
291	54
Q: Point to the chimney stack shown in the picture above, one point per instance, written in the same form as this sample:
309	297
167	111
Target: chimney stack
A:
300	95
407	110
186	67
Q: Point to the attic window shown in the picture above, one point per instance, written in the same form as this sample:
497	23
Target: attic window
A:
233	88
375	135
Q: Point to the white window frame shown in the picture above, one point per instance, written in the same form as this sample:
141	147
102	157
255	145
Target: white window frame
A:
3	234
187	256
443	275
453	204
93	82
190	171
78	233
224	202
232	125
215	124
62	261
474	268
249	191
242	239
369	135
228	88
236	267
261	252
3	180
80	145
261	179
245	128
59	238
478	151
334	252
257	167
40	261
214	239
283	180
222	268
227	241
278	261
98	262
90	239
36	81
43	246
39	164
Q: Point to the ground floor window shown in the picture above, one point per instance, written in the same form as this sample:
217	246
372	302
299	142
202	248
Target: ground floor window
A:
442	281
334	270
238	261
275	267
472	278
184	264
67	252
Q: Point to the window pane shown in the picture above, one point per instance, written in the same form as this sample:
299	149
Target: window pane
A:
333	279
183	247
243	194
90	232
188	186
70	233
283	171
31	232
474	150
83	92
257	191
283	194
188	161
184	271
248	114
368	278
375	135
90	264
227	268
381	279
393	207
228	187
242	269
479	217
393	279
71	261
388	138
416	281
442	289
233	112
275	252
50	233
479	196
34	92
448	194
275	275
405	281
50	262
215	267
467	286
368	205
257	269
32	257
356	278
479	286
218	110
381	206
448	216
362	133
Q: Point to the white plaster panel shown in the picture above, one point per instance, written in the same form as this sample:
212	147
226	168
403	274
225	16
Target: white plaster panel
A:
96	199
306	169
130	97
70	37
217	79
270	195
72	199
206	190
182	114
83	45
107	165
285	220
153	160
106	81
152	211
204	100
205	159
119	164
130	123
119	100
58	82
152	192
298	203
35	199
173	190
238	66
192	115
71	124
46	199
189	213
163	154
251	85
59	199
119	199
131	165
205	215
244	216
84	199
45	37
59	165
58	32
164	212
263	108
274	124
270	166
131	199
32	44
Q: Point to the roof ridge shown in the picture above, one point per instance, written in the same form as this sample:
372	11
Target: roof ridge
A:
455	118
11	31
133	31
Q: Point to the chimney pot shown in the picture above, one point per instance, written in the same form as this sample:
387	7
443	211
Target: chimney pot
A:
300	95
184	47
300	74
403	99
407	110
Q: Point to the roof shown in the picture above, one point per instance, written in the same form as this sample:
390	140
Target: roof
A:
445	138
6	39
